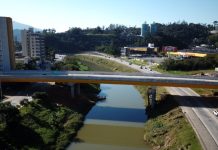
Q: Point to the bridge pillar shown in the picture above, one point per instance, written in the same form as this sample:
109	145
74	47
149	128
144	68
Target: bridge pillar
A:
151	93
72	89
77	89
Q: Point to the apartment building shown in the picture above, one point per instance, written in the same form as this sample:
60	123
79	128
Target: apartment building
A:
149	29
7	59
145	30
32	44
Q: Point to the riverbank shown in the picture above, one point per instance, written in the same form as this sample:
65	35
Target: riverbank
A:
167	127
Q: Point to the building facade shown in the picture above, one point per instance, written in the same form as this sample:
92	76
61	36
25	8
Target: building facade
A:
142	51
32	44
154	28
145	30
149	29
7	58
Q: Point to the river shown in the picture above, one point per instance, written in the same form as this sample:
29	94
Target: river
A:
116	123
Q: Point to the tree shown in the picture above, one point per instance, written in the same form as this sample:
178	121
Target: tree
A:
9	115
31	65
19	66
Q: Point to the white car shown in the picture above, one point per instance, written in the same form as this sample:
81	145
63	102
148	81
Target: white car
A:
215	112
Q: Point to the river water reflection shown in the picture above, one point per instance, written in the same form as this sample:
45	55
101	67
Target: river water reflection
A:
116	123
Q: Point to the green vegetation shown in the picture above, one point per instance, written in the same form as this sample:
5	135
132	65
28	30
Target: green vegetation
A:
70	64
30	66
206	92
181	67
52	119
167	127
55	125
137	61
214	39
177	72
112	38
208	62
101	64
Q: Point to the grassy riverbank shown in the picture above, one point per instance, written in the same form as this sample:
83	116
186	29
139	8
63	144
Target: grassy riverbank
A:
100	64
167	127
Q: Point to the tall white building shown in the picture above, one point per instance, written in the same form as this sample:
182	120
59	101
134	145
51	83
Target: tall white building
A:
32	44
7	59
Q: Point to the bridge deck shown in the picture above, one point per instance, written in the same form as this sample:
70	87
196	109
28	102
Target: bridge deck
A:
110	77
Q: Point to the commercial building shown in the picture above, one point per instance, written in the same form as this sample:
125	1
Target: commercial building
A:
182	55
169	49
142	51
7	60
32	44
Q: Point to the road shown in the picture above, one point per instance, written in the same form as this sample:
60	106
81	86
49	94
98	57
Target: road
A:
201	118
199	115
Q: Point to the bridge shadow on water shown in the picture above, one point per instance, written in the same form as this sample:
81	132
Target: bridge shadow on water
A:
117	114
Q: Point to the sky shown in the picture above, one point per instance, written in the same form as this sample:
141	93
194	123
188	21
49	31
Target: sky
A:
64	14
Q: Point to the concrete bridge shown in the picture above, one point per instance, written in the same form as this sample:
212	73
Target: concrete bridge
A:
111	78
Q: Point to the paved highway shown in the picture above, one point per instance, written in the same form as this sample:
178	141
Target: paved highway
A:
201	118
199	115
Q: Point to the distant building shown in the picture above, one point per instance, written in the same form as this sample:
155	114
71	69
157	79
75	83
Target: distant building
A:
216	25
154	28
182	55
131	51
59	57
215	31
169	49
32	44
149	29
7	58
204	50
145	30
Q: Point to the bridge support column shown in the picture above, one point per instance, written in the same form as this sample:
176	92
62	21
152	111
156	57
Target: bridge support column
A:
151	93
77	89
72	89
